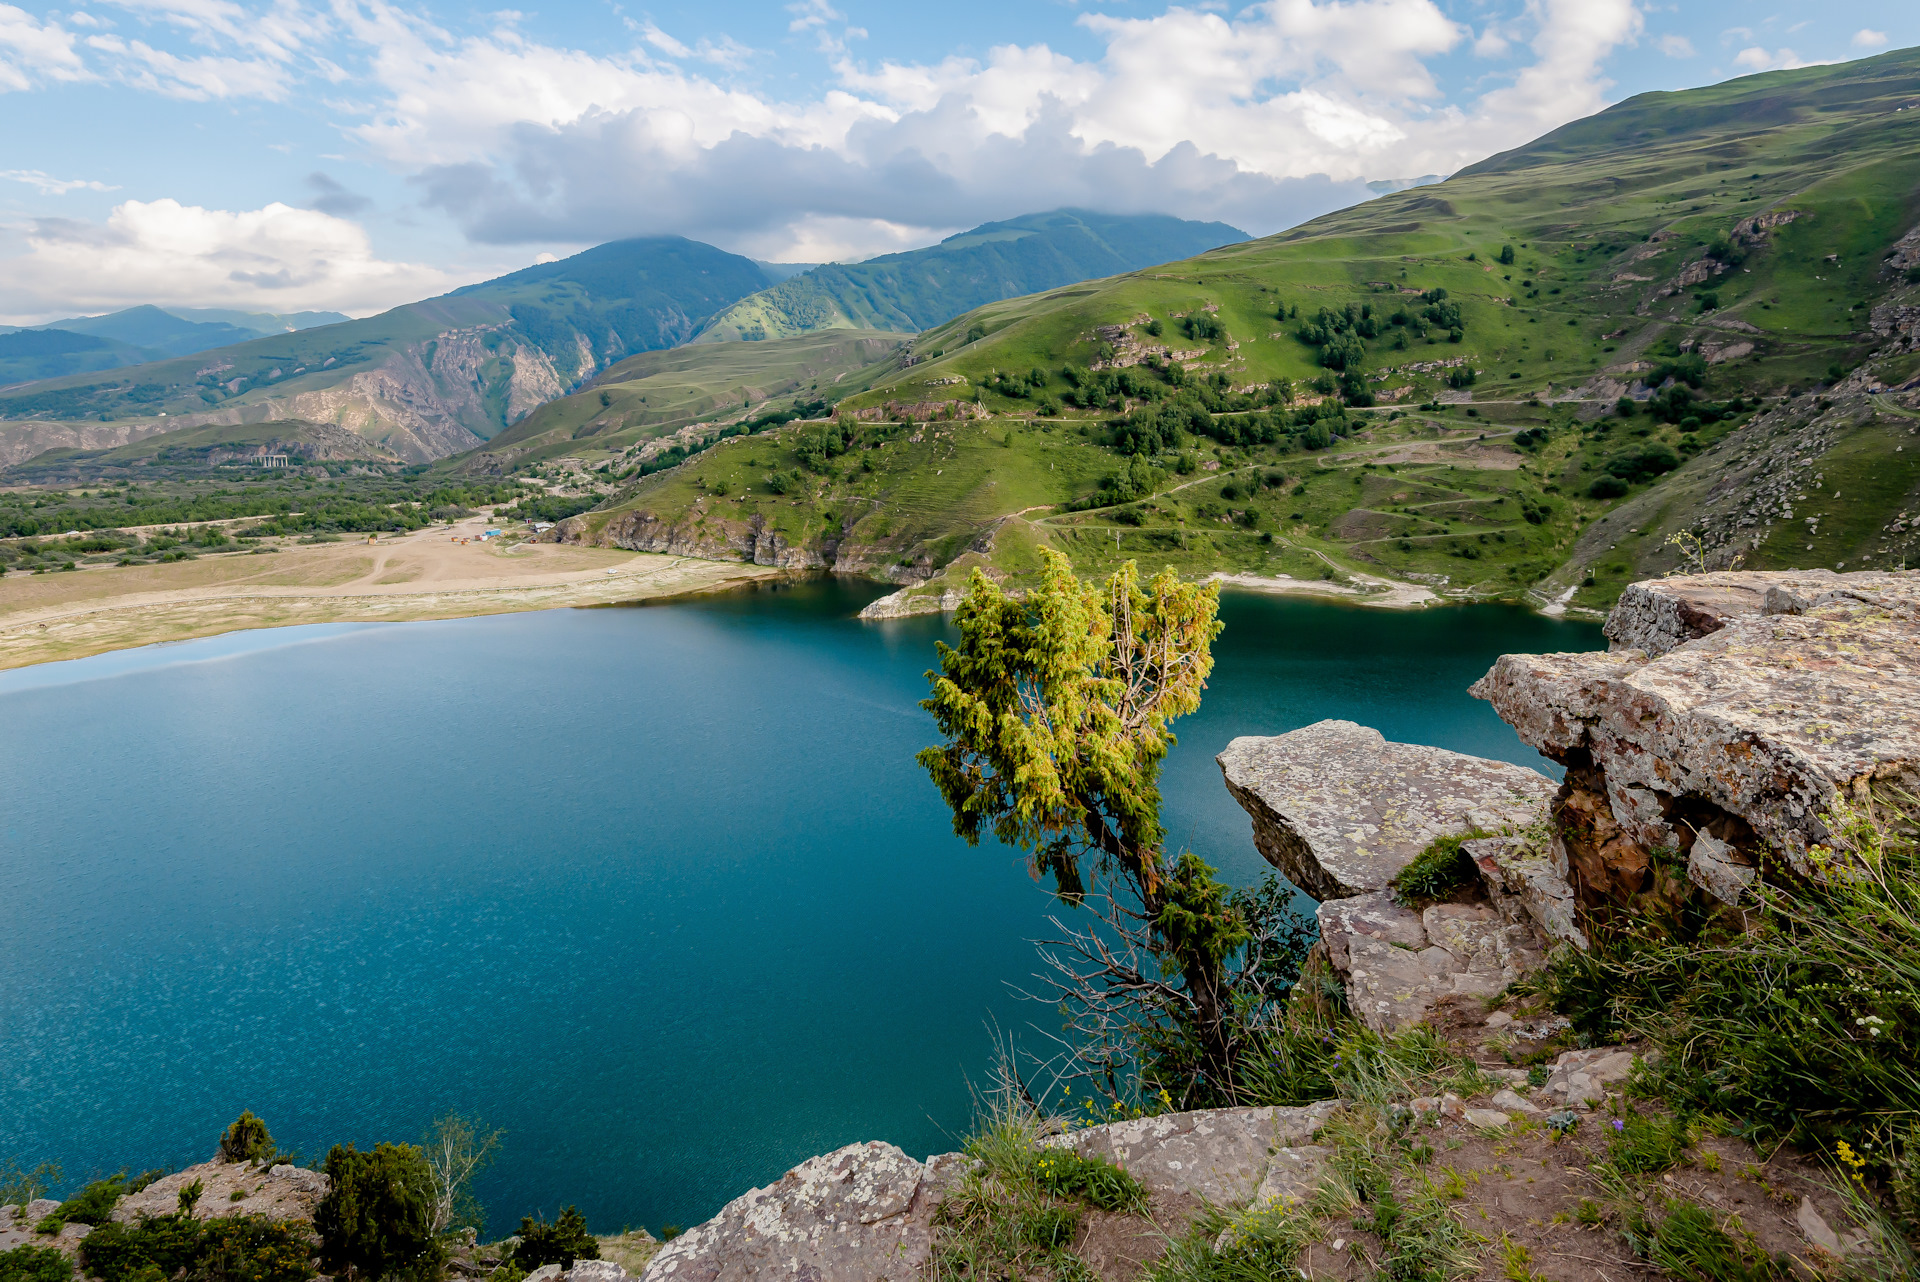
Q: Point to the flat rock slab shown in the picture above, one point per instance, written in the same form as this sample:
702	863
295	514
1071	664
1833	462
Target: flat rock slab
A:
1220	1155
858	1214
1663	614
1340	810
1766	718
280	1193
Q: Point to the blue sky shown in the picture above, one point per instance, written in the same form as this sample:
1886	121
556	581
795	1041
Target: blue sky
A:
353	154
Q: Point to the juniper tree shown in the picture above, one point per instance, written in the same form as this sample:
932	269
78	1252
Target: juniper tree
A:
1056	709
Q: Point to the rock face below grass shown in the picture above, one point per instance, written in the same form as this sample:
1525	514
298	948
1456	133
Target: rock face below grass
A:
1220	1155
1398	963
1728	744
1340	810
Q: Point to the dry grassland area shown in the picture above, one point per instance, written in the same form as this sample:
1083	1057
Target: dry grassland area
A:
429	574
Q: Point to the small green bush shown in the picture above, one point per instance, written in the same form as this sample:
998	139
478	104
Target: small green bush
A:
1437	871
1642	1145
1050	1228
376	1220
34	1264
561	1242
1064	1173
1607	487
246	1140
94	1203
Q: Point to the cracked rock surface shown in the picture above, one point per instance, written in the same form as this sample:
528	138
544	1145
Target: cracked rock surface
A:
1224	1156
1809	690
1339	809
1398	963
863	1213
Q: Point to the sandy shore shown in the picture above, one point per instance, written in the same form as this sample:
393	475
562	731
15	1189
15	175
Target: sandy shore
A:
425	575
1388	594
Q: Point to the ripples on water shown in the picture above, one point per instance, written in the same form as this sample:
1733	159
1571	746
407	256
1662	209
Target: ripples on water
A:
658	890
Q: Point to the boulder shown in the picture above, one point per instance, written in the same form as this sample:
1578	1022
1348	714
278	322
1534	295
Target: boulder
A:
282	1193
595	1271
1340	810
1398	963
1746	733
1223	1156
858	1214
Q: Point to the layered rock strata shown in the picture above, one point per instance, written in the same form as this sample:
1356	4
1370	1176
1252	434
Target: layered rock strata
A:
1740	707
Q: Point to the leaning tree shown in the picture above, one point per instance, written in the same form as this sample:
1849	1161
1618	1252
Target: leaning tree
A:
1056	707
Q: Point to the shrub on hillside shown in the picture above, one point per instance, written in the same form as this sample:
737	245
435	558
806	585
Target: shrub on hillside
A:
240	1248
247	1140
1607	487
561	1242
376	1220
34	1264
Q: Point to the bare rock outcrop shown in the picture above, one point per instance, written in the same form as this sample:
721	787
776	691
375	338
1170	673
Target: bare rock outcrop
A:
280	1193
1340	810
862	1213
1223	1156
1398	963
1728	745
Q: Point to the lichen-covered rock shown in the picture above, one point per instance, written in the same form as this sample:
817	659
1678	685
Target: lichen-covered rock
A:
1220	1155
1659	615
1526	885
1746	733
858	1214
1397	963
282	1193
1340	810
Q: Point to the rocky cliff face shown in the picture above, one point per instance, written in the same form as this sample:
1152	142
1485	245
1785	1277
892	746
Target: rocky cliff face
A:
1734	709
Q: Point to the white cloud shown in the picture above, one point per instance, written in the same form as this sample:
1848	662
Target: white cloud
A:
50	186
1272	115
1754	58
276	259
33	52
1867	38
1676	46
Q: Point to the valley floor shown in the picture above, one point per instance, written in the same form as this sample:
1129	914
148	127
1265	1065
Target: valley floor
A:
429	574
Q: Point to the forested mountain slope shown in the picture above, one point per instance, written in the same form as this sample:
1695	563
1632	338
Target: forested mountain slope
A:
919	289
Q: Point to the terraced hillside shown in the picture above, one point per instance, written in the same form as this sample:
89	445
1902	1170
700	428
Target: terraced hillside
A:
922	288
1731	259
428	379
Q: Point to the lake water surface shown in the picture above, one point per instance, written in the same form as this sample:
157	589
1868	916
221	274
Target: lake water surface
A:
659	890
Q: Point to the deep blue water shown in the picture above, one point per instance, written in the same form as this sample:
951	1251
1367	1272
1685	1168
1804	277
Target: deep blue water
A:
658	890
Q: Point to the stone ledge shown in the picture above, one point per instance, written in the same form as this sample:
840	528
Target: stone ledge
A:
1339	810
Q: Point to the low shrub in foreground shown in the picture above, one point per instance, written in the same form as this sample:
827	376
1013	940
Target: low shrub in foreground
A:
240	1248
561	1242
376	1220
34	1264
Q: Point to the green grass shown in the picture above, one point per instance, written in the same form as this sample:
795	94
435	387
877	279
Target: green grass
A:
657	393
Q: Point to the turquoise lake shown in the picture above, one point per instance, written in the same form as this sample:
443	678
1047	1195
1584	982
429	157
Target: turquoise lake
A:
659	890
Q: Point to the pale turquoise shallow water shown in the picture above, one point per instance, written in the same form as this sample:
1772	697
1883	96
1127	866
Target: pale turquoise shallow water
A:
658	890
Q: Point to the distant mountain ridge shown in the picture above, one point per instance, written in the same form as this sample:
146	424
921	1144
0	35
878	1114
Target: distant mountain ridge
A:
135	336
922	288
427	379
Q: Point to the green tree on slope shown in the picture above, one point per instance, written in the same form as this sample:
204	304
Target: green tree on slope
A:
1056	711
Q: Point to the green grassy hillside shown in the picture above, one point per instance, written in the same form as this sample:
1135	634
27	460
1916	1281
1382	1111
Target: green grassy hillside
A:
1716	255
924	287
439	375
656	394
